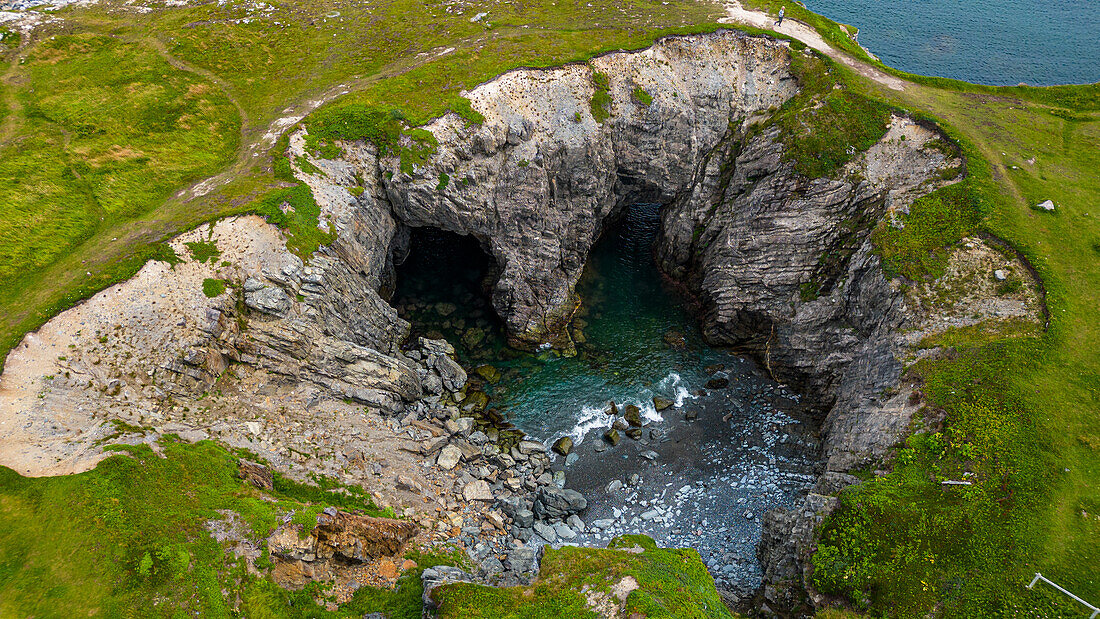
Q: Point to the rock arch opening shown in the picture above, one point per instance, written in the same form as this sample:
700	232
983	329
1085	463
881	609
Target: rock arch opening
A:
443	288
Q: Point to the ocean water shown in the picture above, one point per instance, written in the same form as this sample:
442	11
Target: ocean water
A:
998	42
640	339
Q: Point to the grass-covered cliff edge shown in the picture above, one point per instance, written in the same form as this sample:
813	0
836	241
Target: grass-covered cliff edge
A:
111	113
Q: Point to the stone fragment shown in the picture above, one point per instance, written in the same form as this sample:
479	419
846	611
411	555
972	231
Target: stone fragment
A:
545	531
575	522
524	518
649	454
450	372
449	457
1000	275
564	531
256	474
614	486
612	437
387	569
556	502
634	433
357	538
662	403
633	415
563	446
531	447
477	490
522	560
489	566
489	373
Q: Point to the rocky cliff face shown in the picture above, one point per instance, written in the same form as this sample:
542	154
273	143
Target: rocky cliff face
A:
540	179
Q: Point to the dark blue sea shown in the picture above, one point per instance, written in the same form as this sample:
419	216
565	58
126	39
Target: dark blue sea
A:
999	42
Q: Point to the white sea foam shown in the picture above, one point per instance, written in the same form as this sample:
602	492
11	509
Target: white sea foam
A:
674	383
590	418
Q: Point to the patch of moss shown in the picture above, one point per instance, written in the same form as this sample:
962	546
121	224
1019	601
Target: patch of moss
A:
600	105
203	251
297	213
213	287
826	124
641	96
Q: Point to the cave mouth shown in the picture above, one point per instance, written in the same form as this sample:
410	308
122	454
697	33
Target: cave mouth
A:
443	288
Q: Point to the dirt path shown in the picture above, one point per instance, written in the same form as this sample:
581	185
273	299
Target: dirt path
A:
805	33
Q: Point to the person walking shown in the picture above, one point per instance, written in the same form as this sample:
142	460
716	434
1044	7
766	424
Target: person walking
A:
782	12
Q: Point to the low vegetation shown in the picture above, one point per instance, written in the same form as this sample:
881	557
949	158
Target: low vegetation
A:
129	539
826	123
670	583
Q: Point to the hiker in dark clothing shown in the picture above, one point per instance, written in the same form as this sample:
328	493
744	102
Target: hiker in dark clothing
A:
782	12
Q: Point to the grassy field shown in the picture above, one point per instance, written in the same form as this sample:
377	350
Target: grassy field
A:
109	115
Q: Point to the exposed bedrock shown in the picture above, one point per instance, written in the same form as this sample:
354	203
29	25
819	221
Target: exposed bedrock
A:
541	178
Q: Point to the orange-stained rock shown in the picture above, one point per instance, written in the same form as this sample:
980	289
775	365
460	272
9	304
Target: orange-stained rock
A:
387	569
358	538
408	565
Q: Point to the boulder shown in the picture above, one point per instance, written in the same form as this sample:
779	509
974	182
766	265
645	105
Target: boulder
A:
489	373
613	408
531	447
356	538
563	446
256	474
662	403
612	436
524	518
450	372
718	383
477	491
634	433
545	531
554	502
449	457
633	415
523	561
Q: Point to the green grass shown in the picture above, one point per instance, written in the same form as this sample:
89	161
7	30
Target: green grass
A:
671	583
128	539
641	96
108	131
600	105
213	287
919	244
826	124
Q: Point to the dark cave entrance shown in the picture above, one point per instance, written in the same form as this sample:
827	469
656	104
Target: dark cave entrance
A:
443	288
